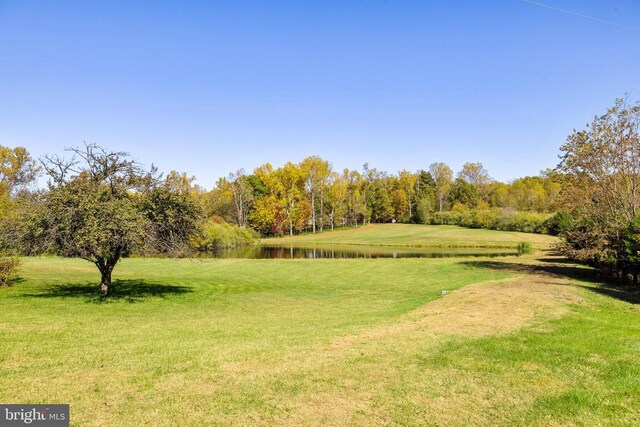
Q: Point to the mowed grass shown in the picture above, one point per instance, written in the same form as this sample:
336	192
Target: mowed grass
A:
434	236
323	342
210	341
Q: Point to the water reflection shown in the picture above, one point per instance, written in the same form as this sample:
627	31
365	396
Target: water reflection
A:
348	252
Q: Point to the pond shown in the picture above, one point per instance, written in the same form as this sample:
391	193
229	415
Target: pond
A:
356	251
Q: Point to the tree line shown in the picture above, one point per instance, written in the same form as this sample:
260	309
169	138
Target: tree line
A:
311	196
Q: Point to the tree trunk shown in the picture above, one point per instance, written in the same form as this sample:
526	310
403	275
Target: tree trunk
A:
106	267
313	210
105	281
321	212
290	216
332	218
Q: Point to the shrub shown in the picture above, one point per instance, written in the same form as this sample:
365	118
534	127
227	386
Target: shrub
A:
446	218
495	219
524	248
560	223
216	235
8	269
527	222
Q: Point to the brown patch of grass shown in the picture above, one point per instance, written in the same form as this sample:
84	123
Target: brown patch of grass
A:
326	409
497	307
487	308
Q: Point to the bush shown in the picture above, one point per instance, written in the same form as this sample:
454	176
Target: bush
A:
527	222
446	218
560	223
524	248
219	235
8	269
495	219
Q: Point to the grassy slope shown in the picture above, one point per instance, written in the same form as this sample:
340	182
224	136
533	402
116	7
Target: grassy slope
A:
419	235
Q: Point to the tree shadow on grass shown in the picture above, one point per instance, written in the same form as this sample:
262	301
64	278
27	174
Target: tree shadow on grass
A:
13	281
130	291
598	282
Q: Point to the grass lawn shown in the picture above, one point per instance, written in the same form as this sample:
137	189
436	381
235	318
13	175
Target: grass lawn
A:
435	236
515	341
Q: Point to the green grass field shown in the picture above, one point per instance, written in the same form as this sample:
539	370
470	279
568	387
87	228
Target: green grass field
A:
528	340
428	236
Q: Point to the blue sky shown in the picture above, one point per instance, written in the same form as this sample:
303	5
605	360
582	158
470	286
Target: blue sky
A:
207	87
